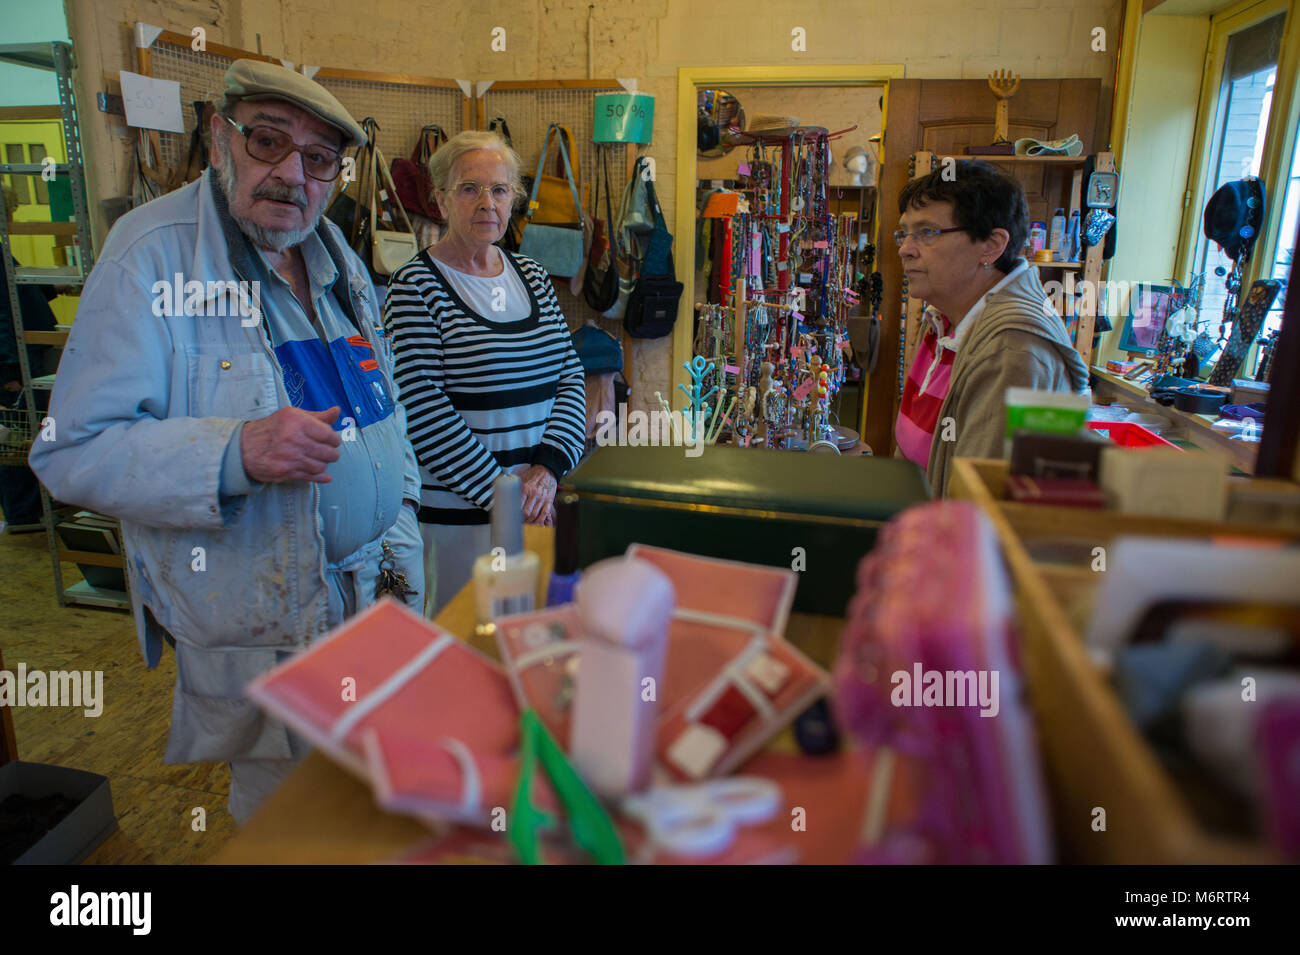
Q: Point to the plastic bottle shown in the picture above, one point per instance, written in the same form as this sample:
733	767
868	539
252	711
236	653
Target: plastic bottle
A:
1037	236
1056	234
1072	249
505	580
564	578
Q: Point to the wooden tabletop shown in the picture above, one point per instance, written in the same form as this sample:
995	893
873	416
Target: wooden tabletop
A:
324	815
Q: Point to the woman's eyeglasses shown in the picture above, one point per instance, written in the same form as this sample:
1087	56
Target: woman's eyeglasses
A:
270	145
924	236
469	191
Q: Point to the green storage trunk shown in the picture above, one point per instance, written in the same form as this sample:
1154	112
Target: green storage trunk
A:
743	504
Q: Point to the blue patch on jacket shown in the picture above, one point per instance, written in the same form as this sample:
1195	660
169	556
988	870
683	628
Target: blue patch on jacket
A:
346	375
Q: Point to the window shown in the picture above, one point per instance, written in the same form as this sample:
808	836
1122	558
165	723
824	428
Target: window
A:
1245	95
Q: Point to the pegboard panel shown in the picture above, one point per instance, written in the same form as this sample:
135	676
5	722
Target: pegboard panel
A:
201	75
529	112
400	105
400	109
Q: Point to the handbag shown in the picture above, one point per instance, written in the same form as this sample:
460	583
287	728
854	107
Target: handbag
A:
598	350
414	186
652	306
390	249
600	290
558	248
555	198
348	208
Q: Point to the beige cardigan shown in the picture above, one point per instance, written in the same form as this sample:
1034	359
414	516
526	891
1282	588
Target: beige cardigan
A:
1017	341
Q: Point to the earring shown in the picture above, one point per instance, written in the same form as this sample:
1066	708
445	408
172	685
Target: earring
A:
987	265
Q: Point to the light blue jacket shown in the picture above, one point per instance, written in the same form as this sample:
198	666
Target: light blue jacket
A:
144	407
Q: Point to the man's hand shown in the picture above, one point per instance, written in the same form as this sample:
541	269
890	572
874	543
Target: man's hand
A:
290	445
539	493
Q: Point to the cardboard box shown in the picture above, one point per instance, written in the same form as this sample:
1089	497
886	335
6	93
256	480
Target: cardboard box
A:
79	832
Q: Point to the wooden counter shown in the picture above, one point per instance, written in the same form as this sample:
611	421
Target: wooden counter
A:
323	815
1196	427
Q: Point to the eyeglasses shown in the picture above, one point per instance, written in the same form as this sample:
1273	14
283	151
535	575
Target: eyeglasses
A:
270	145
924	236
469	191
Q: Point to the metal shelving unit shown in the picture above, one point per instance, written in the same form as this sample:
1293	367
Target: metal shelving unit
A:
55	57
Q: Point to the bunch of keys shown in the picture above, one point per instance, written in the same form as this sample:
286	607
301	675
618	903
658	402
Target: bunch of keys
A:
390	581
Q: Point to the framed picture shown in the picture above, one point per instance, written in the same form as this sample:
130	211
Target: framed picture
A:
1149	308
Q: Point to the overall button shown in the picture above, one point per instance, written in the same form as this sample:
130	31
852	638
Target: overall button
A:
225	364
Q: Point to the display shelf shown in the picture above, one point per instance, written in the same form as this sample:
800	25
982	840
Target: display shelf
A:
56	57
1197	427
1094	755
58	275
1025	160
57	338
85	594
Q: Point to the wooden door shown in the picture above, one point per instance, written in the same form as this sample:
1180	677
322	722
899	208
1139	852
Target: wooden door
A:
945	116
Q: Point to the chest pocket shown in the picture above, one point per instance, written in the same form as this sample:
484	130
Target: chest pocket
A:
230	384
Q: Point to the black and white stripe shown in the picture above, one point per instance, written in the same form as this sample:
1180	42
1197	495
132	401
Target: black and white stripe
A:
481	396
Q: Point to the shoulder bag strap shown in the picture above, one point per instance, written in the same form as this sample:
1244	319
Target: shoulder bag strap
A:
505	129
387	177
573	186
541	170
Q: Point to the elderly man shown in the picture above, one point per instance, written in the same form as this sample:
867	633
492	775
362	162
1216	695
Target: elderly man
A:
226	391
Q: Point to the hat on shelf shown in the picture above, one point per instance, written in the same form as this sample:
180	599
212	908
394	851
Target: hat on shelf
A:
1070	146
258	80
1234	215
765	121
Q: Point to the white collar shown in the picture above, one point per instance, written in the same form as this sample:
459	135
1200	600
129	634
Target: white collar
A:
954	338
952	341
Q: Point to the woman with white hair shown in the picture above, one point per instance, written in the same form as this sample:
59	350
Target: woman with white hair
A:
484	360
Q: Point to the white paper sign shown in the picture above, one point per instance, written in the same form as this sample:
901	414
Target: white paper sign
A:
151	103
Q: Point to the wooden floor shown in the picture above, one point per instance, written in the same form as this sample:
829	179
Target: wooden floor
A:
154	803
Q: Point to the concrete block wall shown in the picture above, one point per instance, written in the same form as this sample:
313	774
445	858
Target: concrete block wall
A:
646	39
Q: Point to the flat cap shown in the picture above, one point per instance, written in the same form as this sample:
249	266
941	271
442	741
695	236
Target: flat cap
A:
257	80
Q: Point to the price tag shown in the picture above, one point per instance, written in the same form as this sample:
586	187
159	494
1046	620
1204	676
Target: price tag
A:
803	390
796	351
731	369
782	227
151	103
821	244
798	316
805	278
742	169
782	265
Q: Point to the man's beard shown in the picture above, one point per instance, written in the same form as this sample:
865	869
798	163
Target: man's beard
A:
273	240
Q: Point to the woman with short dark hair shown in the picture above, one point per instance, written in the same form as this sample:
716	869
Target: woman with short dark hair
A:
988	323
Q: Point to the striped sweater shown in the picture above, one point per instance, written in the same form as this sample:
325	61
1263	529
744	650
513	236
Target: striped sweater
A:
482	396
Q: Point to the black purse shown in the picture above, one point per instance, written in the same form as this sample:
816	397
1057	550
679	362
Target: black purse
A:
652	306
600	290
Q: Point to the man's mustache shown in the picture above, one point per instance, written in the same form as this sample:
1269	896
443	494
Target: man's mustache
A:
282	194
